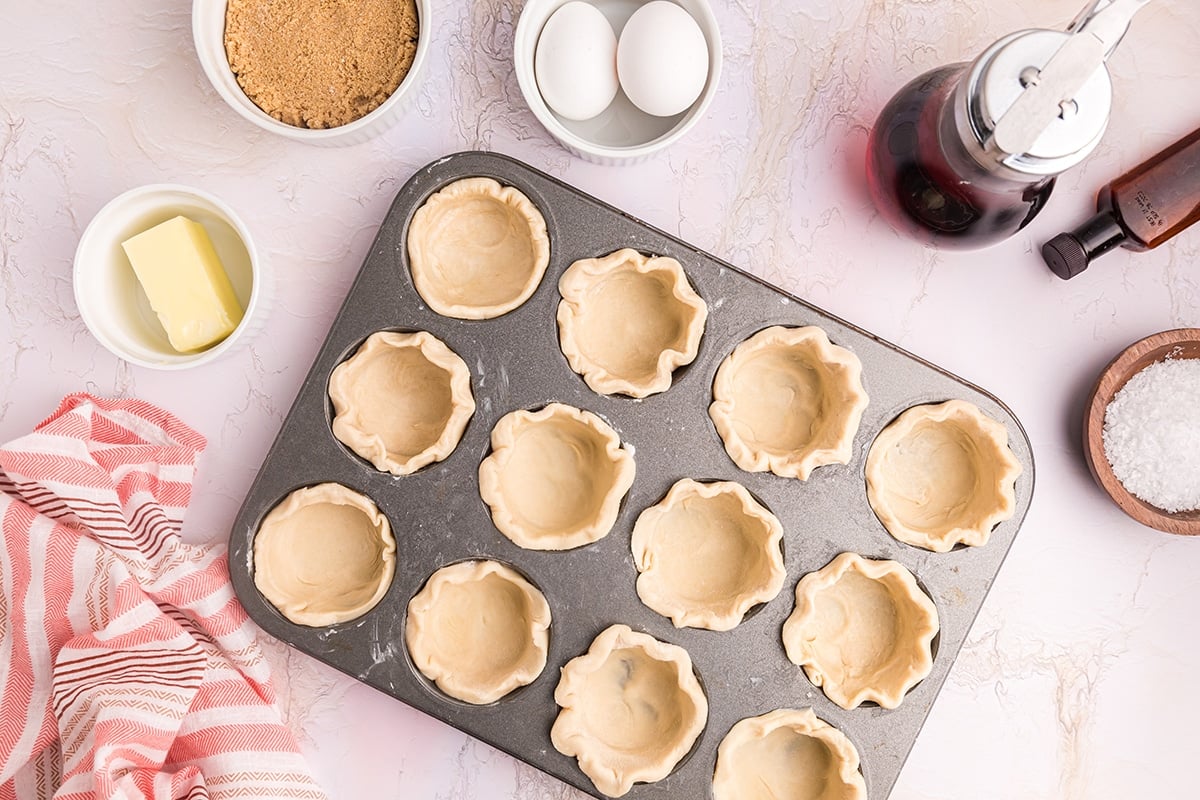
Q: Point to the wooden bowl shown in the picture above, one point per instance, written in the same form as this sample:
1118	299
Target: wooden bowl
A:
1179	343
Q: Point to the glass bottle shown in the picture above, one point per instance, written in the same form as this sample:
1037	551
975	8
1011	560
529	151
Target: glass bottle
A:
966	155
926	184
1140	210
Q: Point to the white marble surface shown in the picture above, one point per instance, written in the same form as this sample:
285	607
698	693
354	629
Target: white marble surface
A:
1076	680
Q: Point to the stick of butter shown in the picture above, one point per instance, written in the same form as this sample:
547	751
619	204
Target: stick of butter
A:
187	287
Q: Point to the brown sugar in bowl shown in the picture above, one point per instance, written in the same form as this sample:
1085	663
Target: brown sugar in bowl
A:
208	34
1178	343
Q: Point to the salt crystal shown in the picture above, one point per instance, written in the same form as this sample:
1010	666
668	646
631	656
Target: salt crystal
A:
1152	434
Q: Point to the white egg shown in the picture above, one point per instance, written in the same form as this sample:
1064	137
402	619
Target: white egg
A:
662	59
575	62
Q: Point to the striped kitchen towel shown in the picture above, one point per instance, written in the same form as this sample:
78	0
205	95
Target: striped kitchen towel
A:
128	669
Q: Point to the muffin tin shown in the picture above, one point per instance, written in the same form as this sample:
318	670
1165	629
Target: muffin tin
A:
439	518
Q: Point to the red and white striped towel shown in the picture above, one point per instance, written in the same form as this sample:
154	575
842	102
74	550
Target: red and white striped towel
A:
128	669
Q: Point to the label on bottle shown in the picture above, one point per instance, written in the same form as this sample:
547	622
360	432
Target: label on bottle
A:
1146	206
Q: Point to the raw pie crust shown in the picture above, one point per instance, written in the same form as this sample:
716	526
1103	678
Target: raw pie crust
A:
942	474
707	553
478	630
788	754
477	249
402	401
631	709
555	477
862	630
324	555
627	321
788	401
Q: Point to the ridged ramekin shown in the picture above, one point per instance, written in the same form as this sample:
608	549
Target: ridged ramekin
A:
208	32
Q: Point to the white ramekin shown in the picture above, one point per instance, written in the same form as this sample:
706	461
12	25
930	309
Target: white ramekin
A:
622	134
208	32
114	306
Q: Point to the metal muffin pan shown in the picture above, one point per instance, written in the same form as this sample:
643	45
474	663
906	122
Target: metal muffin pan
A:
438	517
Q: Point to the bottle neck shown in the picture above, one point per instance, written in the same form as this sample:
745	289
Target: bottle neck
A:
993	93
965	150
1100	234
961	115
1069	254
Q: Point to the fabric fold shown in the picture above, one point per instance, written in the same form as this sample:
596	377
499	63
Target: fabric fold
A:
127	666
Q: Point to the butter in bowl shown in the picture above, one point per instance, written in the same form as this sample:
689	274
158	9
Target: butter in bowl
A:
185	282
167	277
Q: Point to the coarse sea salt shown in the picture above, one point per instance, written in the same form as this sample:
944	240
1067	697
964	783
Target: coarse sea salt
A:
1152	434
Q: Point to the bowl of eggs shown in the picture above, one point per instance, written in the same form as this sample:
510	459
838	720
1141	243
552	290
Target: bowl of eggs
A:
615	81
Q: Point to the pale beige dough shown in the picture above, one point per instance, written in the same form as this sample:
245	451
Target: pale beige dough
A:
324	555
862	630
555	477
940	475
402	401
631	709
627	321
478	630
787	754
477	249
788	401
707	553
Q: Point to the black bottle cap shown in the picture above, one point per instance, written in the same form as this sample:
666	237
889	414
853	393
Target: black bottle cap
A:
1069	254
1065	256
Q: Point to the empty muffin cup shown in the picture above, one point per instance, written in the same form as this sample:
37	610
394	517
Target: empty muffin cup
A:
627	321
402	401
324	555
788	401
477	250
555	477
862	630
631	709
706	554
941	475
478	630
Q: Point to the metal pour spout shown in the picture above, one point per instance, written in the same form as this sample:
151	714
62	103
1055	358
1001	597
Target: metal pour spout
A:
1050	91
1100	19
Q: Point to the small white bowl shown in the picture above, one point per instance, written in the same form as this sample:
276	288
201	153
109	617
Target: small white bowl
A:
623	133
111	301
208	32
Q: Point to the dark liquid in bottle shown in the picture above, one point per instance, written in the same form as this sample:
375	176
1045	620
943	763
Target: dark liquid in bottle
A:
1160	197
926	184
